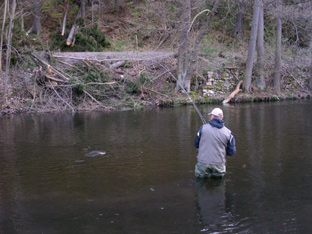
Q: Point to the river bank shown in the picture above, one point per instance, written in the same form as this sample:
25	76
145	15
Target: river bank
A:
123	81
16	105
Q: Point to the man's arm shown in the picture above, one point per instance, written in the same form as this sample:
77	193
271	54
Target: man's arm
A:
197	138
231	146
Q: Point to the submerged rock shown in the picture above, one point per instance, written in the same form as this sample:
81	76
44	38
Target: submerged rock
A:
95	153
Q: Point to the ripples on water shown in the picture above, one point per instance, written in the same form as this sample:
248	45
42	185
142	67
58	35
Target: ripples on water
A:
53	178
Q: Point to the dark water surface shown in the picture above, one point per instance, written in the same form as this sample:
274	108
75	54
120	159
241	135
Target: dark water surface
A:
144	183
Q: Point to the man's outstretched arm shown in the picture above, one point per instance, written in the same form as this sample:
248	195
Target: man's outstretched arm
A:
231	146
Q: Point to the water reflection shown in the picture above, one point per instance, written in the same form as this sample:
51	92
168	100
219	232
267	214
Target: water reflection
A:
144	183
213	205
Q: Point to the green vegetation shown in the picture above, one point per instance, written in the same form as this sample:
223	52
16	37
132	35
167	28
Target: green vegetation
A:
89	38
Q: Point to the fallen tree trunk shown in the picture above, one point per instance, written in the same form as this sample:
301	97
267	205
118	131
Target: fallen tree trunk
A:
232	95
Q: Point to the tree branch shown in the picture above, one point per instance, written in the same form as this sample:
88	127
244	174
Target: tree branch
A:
236	91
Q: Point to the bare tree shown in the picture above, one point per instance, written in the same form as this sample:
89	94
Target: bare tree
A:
310	82
183	53
189	50
36	26
260	50
239	20
278	50
83	9
8	52
252	45
6	2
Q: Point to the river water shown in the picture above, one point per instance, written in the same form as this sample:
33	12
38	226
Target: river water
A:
144	183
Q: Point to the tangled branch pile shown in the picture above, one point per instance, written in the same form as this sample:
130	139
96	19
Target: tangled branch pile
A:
56	85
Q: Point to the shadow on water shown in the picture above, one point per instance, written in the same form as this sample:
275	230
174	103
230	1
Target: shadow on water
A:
133	172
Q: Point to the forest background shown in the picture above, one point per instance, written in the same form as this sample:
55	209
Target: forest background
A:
151	52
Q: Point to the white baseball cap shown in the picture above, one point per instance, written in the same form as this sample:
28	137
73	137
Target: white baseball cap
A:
217	112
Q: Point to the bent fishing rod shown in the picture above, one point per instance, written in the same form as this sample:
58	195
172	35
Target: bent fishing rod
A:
184	90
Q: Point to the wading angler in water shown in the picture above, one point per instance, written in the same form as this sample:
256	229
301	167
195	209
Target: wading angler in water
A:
214	142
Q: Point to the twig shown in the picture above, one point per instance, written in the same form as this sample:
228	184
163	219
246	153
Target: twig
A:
52	78
61	97
296	80
98	83
197	16
160	75
94	99
154	91
70	65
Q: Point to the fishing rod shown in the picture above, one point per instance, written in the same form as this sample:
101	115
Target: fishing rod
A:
184	90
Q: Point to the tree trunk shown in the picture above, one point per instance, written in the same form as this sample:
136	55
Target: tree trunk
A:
239	20
83	9
36	26
252	45
310	83
183	54
188	57
73	29
8	52
278	51
2	30
64	19
196	50
260	51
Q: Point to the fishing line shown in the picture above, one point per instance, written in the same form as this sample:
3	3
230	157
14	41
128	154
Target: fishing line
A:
184	90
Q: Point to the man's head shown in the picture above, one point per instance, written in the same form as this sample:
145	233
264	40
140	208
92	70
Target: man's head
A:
216	113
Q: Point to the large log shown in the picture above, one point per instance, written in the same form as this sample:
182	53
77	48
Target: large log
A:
74	57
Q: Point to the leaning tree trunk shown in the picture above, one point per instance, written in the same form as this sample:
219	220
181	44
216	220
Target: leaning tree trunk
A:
278	51
2	30
36	26
260	51
8	52
65	18
183	55
252	45
70	38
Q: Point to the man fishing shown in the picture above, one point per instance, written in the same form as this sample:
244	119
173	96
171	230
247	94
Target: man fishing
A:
214	141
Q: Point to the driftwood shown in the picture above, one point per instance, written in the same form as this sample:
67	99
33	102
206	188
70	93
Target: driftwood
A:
236	91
